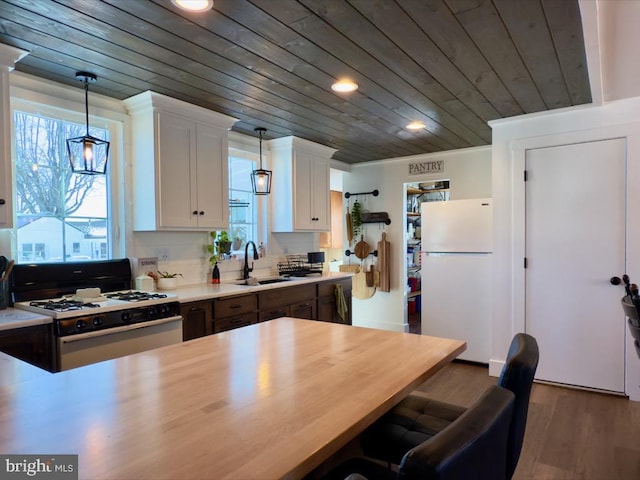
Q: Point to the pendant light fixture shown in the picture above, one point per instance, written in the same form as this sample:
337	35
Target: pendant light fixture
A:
261	178
88	155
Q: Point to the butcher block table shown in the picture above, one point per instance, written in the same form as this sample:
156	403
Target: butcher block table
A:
266	401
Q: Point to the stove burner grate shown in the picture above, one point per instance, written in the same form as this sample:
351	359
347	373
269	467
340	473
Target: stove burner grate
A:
134	296
63	305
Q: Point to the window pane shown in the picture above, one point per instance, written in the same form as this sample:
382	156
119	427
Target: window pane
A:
62	213
242	209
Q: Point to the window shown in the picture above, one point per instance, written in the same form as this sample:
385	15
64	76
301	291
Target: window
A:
60	216
243	211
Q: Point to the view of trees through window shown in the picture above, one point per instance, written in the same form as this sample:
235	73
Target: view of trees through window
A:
242	206
61	216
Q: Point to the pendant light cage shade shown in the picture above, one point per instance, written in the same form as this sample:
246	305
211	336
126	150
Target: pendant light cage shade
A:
261	178
88	155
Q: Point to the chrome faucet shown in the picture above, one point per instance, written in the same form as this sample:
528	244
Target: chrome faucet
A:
246	269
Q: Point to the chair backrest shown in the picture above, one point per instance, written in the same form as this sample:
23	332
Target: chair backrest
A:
517	376
472	447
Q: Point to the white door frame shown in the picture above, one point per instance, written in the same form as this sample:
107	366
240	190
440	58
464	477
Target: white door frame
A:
518	148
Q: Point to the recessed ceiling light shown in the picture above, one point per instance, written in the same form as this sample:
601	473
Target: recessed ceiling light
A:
194	5
416	126
344	86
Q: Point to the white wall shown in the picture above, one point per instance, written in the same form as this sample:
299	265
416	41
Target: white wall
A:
469	171
511	139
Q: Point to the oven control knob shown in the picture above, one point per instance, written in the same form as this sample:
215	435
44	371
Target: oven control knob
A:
98	321
153	312
126	317
81	325
164	309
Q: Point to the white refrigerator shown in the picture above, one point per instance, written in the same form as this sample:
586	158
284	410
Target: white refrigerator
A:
456	273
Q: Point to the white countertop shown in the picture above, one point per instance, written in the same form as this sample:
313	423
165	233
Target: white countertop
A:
206	291
11	318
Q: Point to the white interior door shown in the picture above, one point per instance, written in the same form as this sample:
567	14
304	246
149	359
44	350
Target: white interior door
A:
575	241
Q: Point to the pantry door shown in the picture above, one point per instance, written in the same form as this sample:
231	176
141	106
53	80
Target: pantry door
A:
575	242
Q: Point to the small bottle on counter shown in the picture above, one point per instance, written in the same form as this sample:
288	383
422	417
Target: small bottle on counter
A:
262	251
215	274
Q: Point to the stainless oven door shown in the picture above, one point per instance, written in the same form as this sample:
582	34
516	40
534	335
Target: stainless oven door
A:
92	347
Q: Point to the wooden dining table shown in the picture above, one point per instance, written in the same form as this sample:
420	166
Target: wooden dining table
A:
266	401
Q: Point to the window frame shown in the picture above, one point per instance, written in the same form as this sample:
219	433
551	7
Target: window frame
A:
39	97
245	146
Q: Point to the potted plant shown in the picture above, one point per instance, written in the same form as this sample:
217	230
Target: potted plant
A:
167	281
223	243
219	246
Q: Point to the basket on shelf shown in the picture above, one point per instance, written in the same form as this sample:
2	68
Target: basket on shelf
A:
299	265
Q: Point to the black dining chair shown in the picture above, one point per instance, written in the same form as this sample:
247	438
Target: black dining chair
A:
472	447
418	418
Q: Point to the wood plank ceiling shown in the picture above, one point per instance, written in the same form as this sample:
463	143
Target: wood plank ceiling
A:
452	64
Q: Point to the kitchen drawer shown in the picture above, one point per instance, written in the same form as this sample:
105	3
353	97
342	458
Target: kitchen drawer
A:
235	305
275	312
286	296
234	321
328	288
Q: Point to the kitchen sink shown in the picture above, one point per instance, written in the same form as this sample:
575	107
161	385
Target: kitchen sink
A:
272	280
266	281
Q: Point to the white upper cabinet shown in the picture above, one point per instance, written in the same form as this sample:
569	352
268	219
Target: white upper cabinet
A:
300	185
180	164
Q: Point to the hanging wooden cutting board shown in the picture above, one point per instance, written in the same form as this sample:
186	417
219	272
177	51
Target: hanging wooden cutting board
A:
359	286
362	249
384	257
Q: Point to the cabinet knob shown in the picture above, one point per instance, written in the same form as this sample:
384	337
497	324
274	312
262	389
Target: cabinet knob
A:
2	202
195	212
201	212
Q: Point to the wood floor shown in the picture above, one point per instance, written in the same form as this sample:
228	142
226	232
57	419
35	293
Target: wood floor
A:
570	435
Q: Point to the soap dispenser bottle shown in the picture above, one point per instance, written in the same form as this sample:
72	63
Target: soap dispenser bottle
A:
215	274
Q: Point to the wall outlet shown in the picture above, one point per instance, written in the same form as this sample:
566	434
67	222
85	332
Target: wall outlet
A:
163	254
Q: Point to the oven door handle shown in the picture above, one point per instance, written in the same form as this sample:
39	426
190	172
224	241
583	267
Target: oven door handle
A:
125	328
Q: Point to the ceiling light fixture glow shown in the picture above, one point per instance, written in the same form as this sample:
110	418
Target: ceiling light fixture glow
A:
194	5
416	126
343	86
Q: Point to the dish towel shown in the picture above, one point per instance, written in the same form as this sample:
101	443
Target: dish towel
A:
341	303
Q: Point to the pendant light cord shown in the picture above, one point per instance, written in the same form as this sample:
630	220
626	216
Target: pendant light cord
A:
86	103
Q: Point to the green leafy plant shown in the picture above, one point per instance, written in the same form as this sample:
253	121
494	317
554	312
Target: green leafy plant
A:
356	220
220	244
168	275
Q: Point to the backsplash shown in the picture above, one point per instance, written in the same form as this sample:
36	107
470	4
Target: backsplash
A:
185	253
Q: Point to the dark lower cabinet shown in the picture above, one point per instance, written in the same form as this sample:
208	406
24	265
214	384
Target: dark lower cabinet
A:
297	301
314	301
34	344
234	312
197	319
327	302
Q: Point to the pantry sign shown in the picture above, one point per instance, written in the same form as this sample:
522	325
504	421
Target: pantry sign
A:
422	168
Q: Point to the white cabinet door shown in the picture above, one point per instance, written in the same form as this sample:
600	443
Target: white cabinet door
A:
211	177
575	241
6	217
176	180
320	197
311	197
